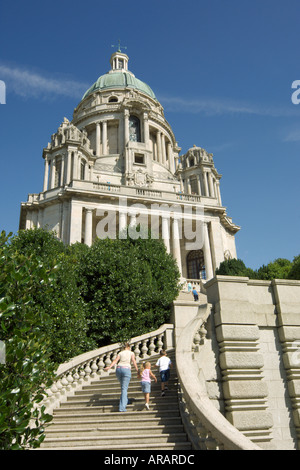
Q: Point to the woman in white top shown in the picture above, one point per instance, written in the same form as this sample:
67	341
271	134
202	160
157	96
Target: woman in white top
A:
123	373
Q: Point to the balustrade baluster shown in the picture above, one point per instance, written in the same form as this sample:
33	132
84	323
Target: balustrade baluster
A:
151	347
107	360
101	363
94	369
87	370
81	374
144	349
160	343
76	376
137	350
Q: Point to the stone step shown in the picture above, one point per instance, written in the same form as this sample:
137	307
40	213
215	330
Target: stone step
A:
107	395
60	423
90	419
150	446
98	414
108	383
97	430
112	406
132	438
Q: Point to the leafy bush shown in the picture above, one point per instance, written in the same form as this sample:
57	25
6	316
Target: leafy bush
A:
280	268
277	269
27	367
295	268
235	267
66	326
128	286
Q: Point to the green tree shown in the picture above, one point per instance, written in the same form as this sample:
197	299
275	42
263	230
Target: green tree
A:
277	269
67	326
128	286
27	367
235	267
295	269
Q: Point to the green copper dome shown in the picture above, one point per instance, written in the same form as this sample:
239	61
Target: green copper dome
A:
122	79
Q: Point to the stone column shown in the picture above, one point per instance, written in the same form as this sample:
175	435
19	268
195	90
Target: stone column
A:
205	183
121	136
207	254
126	126
171	158
104	137
188	183
199	184
52	173
163	149
69	163
46	174
122	221
75	166
159	149
62	170
146	130
219	193
176	243
98	138
165	221
75	228
211	186
88	232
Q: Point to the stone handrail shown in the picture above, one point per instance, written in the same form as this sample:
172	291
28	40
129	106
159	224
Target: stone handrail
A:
210	430
80	370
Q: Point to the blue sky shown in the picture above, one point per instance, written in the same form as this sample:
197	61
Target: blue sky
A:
223	71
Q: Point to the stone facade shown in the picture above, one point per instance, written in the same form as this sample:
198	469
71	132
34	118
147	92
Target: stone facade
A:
117	163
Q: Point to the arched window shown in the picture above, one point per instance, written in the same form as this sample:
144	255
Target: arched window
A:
195	265
134	129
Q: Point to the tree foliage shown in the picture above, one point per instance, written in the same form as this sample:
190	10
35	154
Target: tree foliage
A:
58	301
27	367
280	268
128	285
67	325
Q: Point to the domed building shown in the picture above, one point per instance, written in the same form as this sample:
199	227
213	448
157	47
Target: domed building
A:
117	164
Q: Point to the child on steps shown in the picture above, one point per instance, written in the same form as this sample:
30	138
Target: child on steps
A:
146	376
164	363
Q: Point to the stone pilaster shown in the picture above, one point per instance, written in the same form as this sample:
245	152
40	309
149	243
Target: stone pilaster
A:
245	392
287	299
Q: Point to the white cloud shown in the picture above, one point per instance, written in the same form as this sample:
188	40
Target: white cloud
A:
27	84
214	107
292	136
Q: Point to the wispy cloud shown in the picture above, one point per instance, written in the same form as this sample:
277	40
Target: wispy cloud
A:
292	136
215	107
26	83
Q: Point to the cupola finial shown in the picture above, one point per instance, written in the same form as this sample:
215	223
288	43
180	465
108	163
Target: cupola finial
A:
119	46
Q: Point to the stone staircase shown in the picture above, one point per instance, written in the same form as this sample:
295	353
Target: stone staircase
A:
89	420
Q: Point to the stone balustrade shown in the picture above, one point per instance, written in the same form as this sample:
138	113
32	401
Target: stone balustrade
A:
81	370
207	428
